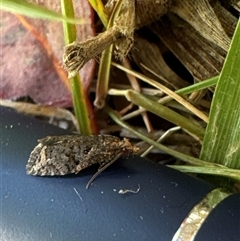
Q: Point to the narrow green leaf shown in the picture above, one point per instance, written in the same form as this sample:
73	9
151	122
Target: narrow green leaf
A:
199	166
78	95
186	90
198	86
69	29
216	171
172	94
105	63
98	6
222	139
103	77
35	11
164	112
188	159
80	107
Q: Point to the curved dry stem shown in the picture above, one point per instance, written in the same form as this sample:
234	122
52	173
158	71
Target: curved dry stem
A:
77	54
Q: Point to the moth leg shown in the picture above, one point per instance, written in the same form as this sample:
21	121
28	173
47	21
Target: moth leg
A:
101	169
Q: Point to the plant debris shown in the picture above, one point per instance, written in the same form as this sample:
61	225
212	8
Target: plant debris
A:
124	191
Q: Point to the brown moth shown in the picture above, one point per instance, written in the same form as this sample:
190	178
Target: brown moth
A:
61	155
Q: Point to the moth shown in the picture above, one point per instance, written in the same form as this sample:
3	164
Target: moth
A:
61	155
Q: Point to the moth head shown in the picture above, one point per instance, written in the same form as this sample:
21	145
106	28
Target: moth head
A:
128	147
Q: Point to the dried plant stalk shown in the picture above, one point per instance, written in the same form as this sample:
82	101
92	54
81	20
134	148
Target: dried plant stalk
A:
202	58
145	12
202	17
78	53
142	50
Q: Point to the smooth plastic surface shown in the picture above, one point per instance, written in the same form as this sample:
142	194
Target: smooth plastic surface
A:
60	208
223	223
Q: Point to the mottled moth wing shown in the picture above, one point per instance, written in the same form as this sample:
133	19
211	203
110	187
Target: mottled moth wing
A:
61	155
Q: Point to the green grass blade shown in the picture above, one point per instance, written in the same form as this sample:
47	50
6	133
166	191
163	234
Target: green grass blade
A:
222	139
103	77
69	29
169	92
98	6
188	159
80	107
35	11
78	95
216	171
105	64
164	112
198	86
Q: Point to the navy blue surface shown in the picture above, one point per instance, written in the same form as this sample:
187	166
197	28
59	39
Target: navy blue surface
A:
60	208
223	223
